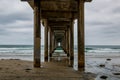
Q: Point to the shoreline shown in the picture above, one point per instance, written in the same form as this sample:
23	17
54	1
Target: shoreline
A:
96	65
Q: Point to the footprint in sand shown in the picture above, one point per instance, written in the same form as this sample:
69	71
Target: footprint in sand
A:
28	69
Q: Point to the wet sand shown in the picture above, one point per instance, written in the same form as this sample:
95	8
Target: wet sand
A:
104	65
23	70
97	68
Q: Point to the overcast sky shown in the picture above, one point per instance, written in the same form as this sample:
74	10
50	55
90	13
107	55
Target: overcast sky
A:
102	23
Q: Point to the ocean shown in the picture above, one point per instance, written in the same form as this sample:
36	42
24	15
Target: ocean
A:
25	52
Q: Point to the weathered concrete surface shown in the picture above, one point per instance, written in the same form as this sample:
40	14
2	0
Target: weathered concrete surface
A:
23	70
60	16
37	35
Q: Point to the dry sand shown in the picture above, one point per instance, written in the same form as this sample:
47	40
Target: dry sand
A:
97	67
23	70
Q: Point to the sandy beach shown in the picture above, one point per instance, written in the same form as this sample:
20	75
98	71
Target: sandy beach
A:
13	69
97	68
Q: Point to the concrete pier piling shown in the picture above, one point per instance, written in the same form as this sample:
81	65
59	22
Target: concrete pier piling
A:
58	17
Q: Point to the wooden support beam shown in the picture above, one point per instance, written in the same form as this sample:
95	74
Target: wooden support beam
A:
56	43
59	19
53	41
59	5
66	35
71	44
53	14
58	28
67	42
59	31
37	34
63	40
50	46
81	54
59	23
46	41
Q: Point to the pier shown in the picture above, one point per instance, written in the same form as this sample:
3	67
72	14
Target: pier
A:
57	17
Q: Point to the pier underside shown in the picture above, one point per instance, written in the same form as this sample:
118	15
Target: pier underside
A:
57	16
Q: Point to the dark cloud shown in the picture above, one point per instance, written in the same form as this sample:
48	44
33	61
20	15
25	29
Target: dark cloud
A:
13	11
13	17
15	22
102	22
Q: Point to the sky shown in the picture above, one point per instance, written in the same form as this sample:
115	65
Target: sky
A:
102	23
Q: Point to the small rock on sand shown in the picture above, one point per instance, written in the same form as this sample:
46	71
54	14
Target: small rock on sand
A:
116	73
108	59
103	77
102	65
